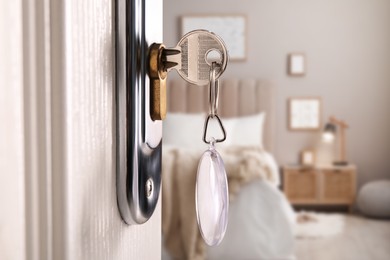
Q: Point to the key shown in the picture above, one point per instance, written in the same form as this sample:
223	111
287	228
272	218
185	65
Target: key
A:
193	56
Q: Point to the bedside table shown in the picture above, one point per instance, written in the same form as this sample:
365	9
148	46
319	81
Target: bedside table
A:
320	185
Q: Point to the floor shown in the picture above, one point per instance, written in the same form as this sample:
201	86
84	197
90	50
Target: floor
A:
362	239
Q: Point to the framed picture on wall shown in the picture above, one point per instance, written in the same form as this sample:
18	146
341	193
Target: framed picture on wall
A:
304	113
296	64
231	28
308	158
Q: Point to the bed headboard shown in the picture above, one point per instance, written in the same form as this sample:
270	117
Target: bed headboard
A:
238	97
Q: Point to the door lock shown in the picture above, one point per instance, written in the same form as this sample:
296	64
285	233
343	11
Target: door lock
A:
141	102
158	85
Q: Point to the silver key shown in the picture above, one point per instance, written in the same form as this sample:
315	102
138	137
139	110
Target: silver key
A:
194	54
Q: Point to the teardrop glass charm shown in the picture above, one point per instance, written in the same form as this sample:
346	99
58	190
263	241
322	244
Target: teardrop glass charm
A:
212	197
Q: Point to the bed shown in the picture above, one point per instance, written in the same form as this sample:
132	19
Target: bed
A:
261	221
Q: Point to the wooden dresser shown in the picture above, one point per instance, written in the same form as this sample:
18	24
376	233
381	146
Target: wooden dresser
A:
321	185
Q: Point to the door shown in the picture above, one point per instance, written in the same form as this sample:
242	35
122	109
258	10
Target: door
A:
58	134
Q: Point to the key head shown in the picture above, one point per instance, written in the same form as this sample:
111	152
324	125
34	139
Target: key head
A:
199	49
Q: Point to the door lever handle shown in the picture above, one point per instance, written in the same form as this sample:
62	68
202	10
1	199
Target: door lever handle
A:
138	137
141	102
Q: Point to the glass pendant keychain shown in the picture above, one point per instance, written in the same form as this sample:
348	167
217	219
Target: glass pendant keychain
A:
211	197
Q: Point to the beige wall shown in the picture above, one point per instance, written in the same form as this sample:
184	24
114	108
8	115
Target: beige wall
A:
347	44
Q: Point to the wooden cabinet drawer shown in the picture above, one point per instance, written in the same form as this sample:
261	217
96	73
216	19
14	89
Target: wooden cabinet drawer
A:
320	185
300	185
338	185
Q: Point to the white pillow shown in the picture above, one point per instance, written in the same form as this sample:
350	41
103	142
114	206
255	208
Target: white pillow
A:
184	130
247	130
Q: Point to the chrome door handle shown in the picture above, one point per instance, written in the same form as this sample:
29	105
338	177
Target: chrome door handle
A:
142	65
138	137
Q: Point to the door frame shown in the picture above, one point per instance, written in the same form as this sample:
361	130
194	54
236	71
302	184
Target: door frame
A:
44	87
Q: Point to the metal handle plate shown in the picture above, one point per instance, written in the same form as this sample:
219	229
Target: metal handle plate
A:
138	144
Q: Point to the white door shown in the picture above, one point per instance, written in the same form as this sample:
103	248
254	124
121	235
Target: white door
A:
57	135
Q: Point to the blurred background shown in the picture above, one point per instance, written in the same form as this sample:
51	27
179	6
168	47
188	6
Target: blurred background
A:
304	102
313	82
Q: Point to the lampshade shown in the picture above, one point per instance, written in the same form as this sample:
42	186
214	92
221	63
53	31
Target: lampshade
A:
329	133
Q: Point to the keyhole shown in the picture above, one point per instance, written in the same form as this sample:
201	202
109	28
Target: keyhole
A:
213	55
149	188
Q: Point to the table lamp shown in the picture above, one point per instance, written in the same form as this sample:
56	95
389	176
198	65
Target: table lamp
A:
328	136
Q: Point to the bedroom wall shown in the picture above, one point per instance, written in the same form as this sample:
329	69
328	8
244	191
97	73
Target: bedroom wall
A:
347	44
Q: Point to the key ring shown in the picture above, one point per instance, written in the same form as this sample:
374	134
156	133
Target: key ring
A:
211	179
213	91
213	106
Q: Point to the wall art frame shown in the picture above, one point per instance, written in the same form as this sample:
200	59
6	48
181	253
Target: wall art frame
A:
304	113
230	27
296	64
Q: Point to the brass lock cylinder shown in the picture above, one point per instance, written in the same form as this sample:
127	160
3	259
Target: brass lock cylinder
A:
158	82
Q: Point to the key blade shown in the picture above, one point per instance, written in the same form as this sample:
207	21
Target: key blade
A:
171	58
169	65
169	52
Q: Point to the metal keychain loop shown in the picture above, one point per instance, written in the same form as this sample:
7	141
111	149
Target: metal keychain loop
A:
214	90
213	106
206	127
